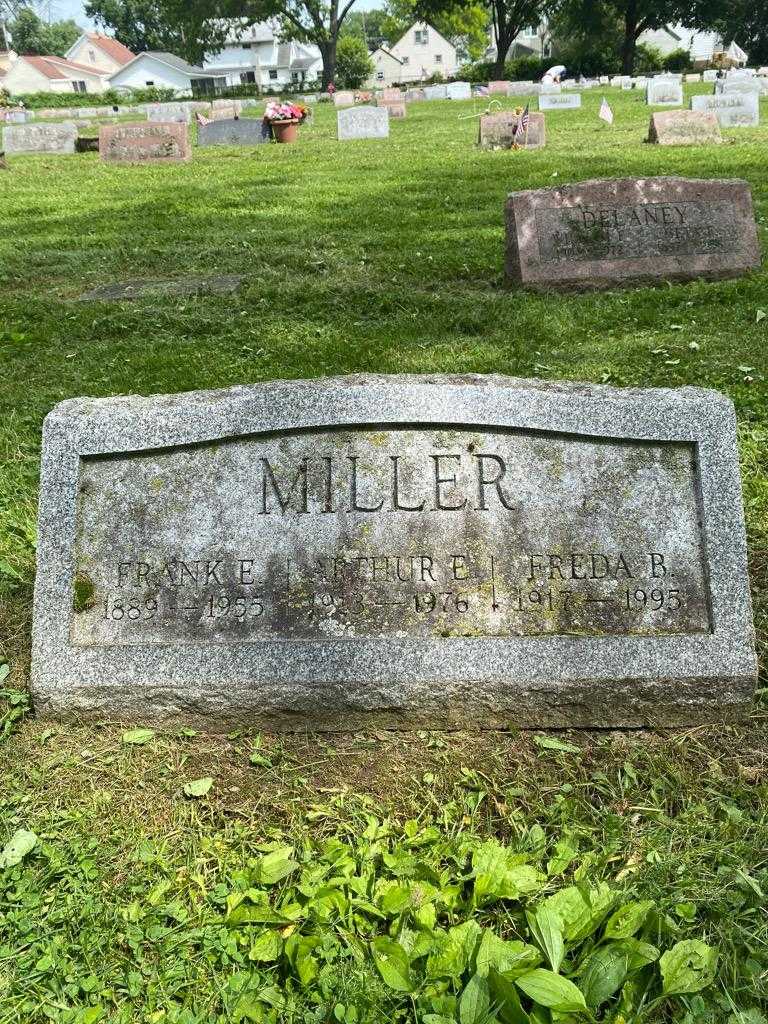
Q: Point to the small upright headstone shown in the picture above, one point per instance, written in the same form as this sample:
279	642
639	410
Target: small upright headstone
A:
565	101
693	78
394	108
414	95
163	113
710	75
144	142
435	92
362	123
744	86
344	99
684	128
499	131
459	91
552	88
40	138
391	96
599	234
732	110
524	89
17	117
245	131
664	92
499	87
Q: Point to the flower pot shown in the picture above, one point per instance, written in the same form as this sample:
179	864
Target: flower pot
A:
285	131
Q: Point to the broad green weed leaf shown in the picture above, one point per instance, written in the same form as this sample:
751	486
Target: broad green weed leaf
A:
603	974
688	967
505	957
392	964
639	954
275	866
628	919
564	854
5	670
198	787
550	990
505	1001
546	928
299	950
553	743
475	1001
453	950
16	849
582	910
501	873
138	737
266	947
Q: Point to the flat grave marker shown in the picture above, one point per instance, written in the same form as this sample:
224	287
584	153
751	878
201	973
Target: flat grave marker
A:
144	142
142	288
394	551
604	233
362	123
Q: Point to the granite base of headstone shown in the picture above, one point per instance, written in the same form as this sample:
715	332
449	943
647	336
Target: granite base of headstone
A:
501	131
362	123
630	231
367	552
145	142
684	128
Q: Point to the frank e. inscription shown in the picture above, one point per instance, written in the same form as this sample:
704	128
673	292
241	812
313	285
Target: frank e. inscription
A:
505	549
603	233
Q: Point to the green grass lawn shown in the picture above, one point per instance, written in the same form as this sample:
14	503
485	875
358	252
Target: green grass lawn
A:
377	877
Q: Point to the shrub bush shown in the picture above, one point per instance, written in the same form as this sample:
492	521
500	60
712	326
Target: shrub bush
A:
678	60
353	62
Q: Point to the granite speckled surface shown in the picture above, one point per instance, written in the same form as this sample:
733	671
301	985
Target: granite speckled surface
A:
394	551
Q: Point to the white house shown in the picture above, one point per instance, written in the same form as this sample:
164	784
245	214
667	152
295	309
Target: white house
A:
99	51
531	41
165	71
52	74
387	69
701	45
423	52
255	54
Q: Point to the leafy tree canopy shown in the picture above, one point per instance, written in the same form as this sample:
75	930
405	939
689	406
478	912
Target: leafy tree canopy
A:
30	34
353	63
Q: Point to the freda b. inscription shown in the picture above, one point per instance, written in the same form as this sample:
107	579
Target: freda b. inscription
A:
619	231
390	533
398	551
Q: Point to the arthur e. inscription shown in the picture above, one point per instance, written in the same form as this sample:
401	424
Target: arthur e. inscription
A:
532	553
600	233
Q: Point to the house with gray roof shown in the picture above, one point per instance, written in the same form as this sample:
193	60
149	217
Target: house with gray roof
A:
255	54
166	71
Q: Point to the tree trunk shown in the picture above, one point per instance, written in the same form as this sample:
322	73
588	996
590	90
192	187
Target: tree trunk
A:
630	38
328	53
504	37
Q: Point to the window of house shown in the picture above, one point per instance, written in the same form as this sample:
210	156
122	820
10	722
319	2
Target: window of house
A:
150	83
92	55
246	77
421	37
247	46
273	75
294	76
438	58
379	76
404	60
79	86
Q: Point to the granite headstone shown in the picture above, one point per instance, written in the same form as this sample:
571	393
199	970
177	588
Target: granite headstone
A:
19	139
630	230
394	551
564	101
684	128
245	131
732	110
362	123
144	142
664	92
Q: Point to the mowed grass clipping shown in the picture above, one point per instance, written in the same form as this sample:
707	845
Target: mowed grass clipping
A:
371	256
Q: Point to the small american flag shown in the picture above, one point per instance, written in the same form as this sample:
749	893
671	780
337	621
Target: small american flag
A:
606	114
522	123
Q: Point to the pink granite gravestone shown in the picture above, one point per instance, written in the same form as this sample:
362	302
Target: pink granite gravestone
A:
606	233
684	128
146	142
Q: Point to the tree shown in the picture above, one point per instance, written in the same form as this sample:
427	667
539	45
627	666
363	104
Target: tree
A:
189	30
353	63
508	18
30	34
465	25
366	25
